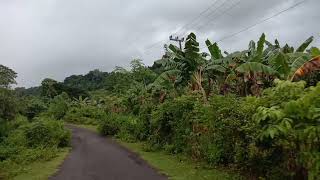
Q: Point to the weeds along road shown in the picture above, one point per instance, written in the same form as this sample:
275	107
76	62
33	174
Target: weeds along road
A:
98	158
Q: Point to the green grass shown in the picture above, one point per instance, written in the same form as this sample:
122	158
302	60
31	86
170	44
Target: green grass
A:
43	170
179	167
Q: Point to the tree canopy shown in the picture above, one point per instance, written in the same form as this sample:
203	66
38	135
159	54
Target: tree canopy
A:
7	76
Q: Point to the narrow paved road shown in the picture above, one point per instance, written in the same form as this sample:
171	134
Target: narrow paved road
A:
99	158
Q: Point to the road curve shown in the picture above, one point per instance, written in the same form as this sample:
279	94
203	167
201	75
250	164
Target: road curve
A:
98	158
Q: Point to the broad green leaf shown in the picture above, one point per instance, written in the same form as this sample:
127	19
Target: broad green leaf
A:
252	47
214	50
304	45
256	67
256	56
192	48
218	68
279	63
315	51
261	45
174	48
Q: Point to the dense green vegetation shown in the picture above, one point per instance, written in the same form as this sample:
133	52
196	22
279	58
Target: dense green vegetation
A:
254	111
28	138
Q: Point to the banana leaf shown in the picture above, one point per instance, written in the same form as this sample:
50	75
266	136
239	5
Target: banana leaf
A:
304	45
256	67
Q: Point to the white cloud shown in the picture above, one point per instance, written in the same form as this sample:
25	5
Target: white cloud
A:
57	38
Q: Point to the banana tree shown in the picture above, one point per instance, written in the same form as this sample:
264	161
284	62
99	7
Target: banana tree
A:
292	65
256	67
166	84
239	68
81	102
183	67
307	68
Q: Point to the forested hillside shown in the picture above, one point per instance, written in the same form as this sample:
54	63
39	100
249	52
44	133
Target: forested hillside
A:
255	111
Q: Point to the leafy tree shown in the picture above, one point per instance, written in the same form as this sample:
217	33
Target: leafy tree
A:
48	88
141	73
8	101
59	106
91	81
7	76
35	106
8	105
118	82
33	91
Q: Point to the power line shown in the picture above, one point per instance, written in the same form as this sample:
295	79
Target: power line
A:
213	12
197	17
260	22
215	19
189	23
209	15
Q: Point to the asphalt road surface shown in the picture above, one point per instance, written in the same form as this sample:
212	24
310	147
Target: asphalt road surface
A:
98	158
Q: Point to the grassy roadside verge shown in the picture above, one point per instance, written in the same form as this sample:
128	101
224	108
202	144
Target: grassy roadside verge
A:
175	167
178	167
39	170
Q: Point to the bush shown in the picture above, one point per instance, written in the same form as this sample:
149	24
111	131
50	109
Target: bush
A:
27	142
171	123
58	106
11	131
89	115
47	133
221	128
3	129
8	105
124	127
35	106
289	132
109	126
144	123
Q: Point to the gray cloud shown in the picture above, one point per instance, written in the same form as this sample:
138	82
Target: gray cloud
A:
57	38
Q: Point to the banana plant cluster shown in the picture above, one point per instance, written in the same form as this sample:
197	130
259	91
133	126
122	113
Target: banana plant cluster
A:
242	72
257	67
183	67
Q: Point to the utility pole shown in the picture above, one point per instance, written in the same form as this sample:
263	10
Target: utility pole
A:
177	40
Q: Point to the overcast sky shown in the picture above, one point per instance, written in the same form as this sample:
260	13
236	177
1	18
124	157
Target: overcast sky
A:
58	38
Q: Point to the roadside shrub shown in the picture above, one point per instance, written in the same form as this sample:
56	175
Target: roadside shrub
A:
144	122
47	133
90	115
289	132
170	123
223	119
58	107
3	129
11	131
8	105
121	126
112	104
27	142
35	106
129	130
109	126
